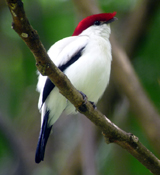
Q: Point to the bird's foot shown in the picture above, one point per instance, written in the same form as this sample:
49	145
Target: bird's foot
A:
83	107
84	96
85	100
93	104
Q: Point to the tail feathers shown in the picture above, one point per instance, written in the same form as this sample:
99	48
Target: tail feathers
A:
43	138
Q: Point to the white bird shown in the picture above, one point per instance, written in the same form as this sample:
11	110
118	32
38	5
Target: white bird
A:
85	57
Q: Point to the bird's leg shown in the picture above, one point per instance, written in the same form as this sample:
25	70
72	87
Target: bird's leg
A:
85	100
84	96
82	107
93	104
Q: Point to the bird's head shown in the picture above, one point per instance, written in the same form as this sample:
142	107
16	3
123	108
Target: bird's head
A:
95	22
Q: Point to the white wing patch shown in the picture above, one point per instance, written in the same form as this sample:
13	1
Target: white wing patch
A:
60	53
65	51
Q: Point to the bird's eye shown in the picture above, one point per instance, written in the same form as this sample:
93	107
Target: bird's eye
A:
97	23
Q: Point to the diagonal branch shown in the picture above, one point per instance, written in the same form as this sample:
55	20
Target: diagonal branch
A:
111	132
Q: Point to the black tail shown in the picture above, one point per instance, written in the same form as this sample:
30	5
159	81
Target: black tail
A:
43	137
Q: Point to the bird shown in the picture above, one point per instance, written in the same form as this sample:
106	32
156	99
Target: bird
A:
85	58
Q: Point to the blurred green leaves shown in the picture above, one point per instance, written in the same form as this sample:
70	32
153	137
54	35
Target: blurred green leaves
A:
147	60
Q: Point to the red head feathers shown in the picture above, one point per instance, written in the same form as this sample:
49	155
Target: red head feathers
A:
89	21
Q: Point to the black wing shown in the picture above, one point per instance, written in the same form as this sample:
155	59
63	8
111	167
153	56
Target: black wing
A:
48	87
45	130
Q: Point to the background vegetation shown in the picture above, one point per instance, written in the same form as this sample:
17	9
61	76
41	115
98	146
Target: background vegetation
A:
75	146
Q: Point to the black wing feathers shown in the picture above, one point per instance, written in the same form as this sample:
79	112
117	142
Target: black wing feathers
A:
43	137
72	60
45	130
49	85
47	89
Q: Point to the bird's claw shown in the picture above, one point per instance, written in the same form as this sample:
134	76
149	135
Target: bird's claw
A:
93	104
85	100
84	97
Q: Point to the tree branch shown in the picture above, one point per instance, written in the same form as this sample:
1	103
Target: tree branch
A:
111	132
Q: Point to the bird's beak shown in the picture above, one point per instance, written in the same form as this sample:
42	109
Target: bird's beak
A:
111	20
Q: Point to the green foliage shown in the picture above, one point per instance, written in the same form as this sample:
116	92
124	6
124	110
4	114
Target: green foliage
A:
147	60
